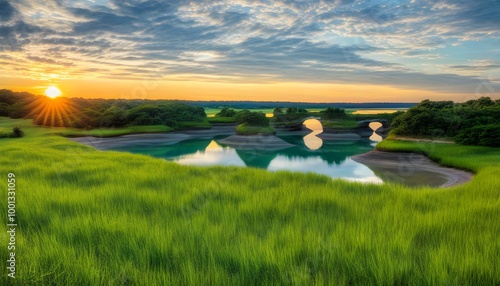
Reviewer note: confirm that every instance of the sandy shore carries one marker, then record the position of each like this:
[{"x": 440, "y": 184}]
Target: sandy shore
[
  {"x": 236, "y": 141},
  {"x": 404, "y": 165},
  {"x": 154, "y": 138}
]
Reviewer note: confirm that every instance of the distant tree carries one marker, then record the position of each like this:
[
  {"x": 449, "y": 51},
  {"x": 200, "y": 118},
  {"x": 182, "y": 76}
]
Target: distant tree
[
  {"x": 8, "y": 96},
  {"x": 485, "y": 135},
  {"x": 277, "y": 111},
  {"x": 474, "y": 122},
  {"x": 252, "y": 118},
  {"x": 4, "y": 109},
  {"x": 240, "y": 115},
  {"x": 333, "y": 113},
  {"x": 484, "y": 102},
  {"x": 436, "y": 104},
  {"x": 226, "y": 112},
  {"x": 18, "y": 110},
  {"x": 113, "y": 117}
]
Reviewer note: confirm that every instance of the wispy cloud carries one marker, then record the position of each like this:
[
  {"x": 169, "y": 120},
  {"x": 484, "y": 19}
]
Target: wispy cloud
[{"x": 337, "y": 41}]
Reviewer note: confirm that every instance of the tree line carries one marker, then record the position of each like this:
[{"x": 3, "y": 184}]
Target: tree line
[
  {"x": 92, "y": 113},
  {"x": 475, "y": 122}
]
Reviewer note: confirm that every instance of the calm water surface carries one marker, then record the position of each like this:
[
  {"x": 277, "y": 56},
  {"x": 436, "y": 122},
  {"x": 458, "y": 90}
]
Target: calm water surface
[
  {"x": 302, "y": 152},
  {"x": 309, "y": 153}
]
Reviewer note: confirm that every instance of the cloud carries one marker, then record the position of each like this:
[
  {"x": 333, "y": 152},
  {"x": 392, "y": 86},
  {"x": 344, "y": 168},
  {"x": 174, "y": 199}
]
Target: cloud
[
  {"x": 338, "y": 41},
  {"x": 6, "y": 11},
  {"x": 478, "y": 65}
]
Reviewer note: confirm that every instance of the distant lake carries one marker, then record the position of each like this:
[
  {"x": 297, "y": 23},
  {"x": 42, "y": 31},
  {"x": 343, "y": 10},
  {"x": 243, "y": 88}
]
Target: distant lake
[{"x": 376, "y": 111}]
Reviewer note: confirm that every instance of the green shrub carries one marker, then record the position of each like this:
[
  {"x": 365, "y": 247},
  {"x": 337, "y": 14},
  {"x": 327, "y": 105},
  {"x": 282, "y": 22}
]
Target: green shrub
[
  {"x": 226, "y": 112},
  {"x": 244, "y": 129},
  {"x": 17, "y": 132},
  {"x": 485, "y": 135},
  {"x": 251, "y": 118},
  {"x": 474, "y": 122},
  {"x": 333, "y": 113}
]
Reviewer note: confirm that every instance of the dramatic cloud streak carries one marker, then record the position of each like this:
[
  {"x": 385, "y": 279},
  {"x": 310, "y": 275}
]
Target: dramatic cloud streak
[{"x": 417, "y": 44}]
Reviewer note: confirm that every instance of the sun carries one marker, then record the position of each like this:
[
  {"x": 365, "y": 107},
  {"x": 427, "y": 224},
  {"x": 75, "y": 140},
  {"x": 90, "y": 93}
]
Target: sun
[{"x": 52, "y": 92}]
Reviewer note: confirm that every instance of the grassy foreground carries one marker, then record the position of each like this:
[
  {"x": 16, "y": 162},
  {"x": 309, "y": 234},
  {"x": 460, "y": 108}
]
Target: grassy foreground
[{"x": 88, "y": 217}]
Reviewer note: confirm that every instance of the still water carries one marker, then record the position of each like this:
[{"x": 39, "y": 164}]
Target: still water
[
  {"x": 332, "y": 159},
  {"x": 305, "y": 153}
]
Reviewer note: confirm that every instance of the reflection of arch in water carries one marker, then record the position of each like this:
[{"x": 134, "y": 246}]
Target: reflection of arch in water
[{"x": 312, "y": 141}]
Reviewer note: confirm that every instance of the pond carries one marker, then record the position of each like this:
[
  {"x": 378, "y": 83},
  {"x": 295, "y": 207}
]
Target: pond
[
  {"x": 331, "y": 159},
  {"x": 302, "y": 151}
]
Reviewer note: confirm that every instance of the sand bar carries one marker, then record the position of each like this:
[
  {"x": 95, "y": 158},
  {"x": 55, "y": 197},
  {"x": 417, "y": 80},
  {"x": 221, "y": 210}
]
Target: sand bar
[{"x": 405, "y": 163}]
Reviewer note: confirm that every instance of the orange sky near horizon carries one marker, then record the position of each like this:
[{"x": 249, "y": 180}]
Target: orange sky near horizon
[
  {"x": 206, "y": 91},
  {"x": 246, "y": 50}
]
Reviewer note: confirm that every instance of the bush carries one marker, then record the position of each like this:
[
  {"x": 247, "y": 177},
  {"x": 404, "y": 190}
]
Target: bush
[
  {"x": 485, "y": 135},
  {"x": 333, "y": 113},
  {"x": 226, "y": 112},
  {"x": 474, "y": 122},
  {"x": 244, "y": 129},
  {"x": 251, "y": 118},
  {"x": 17, "y": 132}
]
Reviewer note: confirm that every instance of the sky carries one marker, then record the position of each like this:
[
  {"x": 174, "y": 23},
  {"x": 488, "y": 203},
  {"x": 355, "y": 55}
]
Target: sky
[{"x": 281, "y": 50}]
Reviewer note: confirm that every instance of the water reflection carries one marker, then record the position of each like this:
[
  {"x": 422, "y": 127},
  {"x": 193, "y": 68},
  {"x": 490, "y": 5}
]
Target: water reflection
[
  {"x": 214, "y": 154},
  {"x": 308, "y": 154},
  {"x": 312, "y": 141},
  {"x": 375, "y": 126}
]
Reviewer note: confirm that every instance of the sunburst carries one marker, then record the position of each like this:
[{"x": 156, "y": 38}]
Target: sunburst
[{"x": 55, "y": 112}]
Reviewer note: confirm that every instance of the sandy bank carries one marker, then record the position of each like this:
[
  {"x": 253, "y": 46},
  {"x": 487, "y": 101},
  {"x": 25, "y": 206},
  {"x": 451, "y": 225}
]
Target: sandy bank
[
  {"x": 411, "y": 166},
  {"x": 153, "y": 138}
]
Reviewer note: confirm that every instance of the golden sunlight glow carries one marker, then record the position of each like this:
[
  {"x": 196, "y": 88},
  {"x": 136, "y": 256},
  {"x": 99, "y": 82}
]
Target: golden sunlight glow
[
  {"x": 52, "y": 92},
  {"x": 54, "y": 112}
]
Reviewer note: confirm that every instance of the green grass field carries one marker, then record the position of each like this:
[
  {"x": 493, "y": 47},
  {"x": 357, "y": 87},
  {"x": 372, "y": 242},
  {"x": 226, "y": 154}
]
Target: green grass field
[
  {"x": 7, "y": 123},
  {"x": 88, "y": 217}
]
